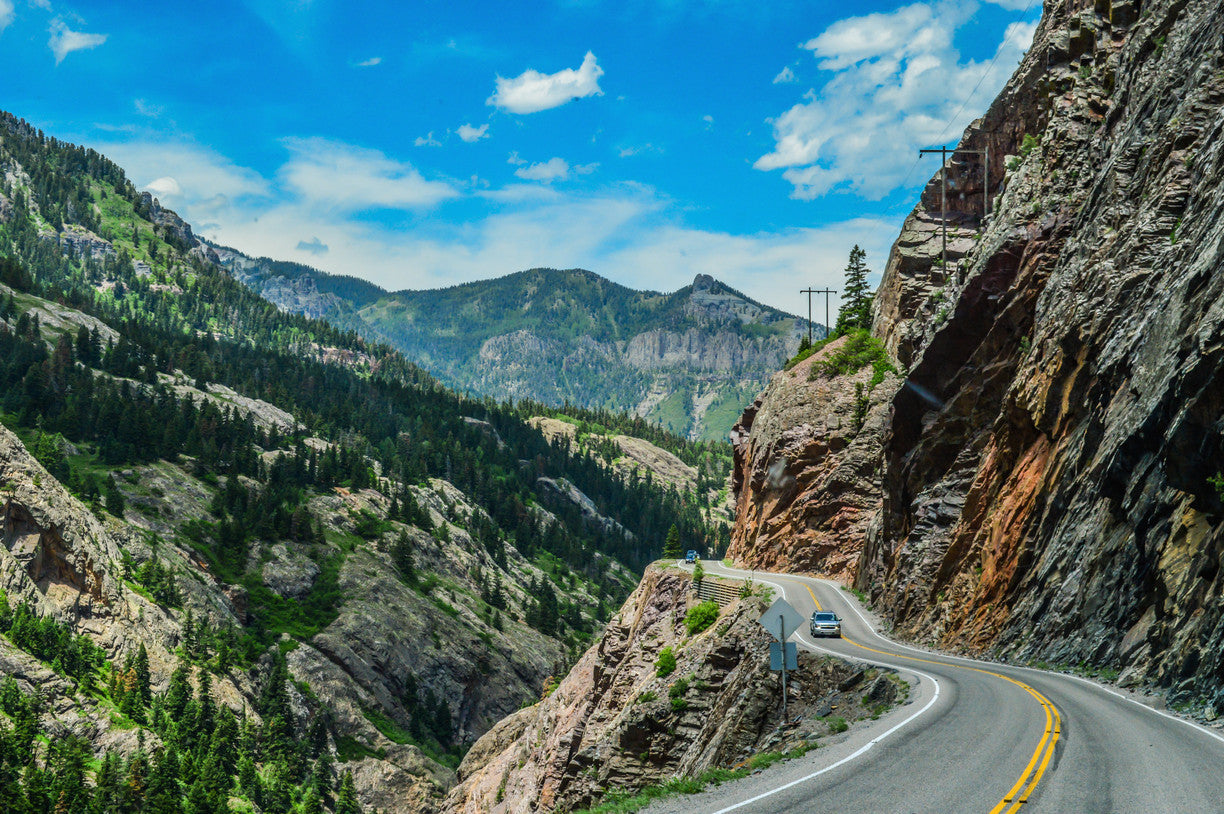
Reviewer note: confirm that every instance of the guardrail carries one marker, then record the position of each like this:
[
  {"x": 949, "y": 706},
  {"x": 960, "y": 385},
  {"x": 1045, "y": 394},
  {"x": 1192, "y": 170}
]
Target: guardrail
[{"x": 722, "y": 591}]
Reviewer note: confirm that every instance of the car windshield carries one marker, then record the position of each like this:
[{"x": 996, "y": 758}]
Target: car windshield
[{"x": 825, "y": 617}]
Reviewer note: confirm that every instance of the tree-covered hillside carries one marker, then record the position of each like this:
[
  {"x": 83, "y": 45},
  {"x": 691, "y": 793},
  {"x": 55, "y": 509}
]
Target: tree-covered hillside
[
  {"x": 688, "y": 361},
  {"x": 295, "y": 509}
]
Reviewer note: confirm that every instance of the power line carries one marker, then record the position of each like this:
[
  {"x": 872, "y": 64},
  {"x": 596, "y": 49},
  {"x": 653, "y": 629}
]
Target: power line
[{"x": 982, "y": 78}]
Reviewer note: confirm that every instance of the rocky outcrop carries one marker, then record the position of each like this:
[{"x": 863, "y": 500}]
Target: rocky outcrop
[
  {"x": 168, "y": 222},
  {"x": 694, "y": 349},
  {"x": 82, "y": 243},
  {"x": 614, "y": 724},
  {"x": 58, "y": 557},
  {"x": 561, "y": 494},
  {"x": 1048, "y": 469},
  {"x": 610, "y": 722},
  {"x": 807, "y": 469},
  {"x": 290, "y": 573},
  {"x": 1049, "y": 464}
]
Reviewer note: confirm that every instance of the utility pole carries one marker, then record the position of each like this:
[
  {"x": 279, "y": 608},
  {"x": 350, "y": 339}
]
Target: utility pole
[
  {"x": 810, "y": 292},
  {"x": 944, "y": 152}
]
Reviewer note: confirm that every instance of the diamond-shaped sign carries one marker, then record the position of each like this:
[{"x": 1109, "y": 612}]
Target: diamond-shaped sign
[{"x": 781, "y": 620}]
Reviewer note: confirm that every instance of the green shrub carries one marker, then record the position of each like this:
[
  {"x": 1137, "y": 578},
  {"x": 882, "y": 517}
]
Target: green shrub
[
  {"x": 665, "y": 665},
  {"x": 700, "y": 617},
  {"x": 860, "y": 350},
  {"x": 1217, "y": 481},
  {"x": 837, "y": 724}
]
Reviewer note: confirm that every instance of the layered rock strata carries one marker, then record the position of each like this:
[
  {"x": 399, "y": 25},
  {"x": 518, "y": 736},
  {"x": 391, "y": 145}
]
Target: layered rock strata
[
  {"x": 614, "y": 723},
  {"x": 807, "y": 469},
  {"x": 1048, "y": 468}
]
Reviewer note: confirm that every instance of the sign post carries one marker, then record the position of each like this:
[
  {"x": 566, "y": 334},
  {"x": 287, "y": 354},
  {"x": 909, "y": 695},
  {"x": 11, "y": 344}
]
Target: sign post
[{"x": 780, "y": 621}]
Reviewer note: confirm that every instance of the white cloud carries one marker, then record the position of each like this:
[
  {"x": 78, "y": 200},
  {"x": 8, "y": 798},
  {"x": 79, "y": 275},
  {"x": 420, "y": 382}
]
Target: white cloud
[
  {"x": 1015, "y": 5},
  {"x": 515, "y": 160},
  {"x": 64, "y": 40},
  {"x": 472, "y": 134},
  {"x": 427, "y": 140},
  {"x": 148, "y": 109},
  {"x": 369, "y": 63},
  {"x": 532, "y": 91},
  {"x": 709, "y": 121},
  {"x": 551, "y": 170},
  {"x": 888, "y": 95},
  {"x": 185, "y": 173},
  {"x": 7, "y": 14},
  {"x": 45, "y": 5},
  {"x": 165, "y": 188},
  {"x": 626, "y": 232},
  {"x": 342, "y": 177},
  {"x": 785, "y": 76},
  {"x": 638, "y": 149}
]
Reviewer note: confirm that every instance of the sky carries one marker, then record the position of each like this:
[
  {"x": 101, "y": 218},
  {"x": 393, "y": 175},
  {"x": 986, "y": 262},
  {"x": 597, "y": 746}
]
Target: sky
[{"x": 424, "y": 144}]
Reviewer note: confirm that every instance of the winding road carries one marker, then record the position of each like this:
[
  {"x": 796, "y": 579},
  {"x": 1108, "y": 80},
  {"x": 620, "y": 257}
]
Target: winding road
[{"x": 977, "y": 737}]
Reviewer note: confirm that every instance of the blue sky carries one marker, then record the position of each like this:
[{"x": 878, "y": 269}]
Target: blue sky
[{"x": 422, "y": 144}]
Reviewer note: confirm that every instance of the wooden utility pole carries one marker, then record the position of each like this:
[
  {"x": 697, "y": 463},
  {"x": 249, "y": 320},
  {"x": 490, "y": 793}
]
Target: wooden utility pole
[
  {"x": 944, "y": 152},
  {"x": 810, "y": 292}
]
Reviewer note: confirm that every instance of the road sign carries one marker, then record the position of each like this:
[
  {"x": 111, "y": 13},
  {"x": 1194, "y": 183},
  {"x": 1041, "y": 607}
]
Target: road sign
[
  {"x": 781, "y": 620},
  {"x": 775, "y": 655}
]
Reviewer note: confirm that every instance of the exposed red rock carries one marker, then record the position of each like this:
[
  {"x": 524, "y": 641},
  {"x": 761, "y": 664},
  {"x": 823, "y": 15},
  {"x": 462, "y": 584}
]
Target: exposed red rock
[{"x": 807, "y": 469}]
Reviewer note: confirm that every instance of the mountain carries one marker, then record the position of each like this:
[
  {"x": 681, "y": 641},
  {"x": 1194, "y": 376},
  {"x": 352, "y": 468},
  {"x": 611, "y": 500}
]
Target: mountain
[
  {"x": 1043, "y": 482},
  {"x": 688, "y": 361},
  {"x": 249, "y": 557}
]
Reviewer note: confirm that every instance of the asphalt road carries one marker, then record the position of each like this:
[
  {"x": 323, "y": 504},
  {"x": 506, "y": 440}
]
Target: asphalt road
[{"x": 977, "y": 737}]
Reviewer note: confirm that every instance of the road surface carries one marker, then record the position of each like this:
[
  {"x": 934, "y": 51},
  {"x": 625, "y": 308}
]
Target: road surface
[{"x": 977, "y": 737}]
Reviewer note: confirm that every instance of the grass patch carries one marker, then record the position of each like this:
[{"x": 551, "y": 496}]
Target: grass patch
[
  {"x": 860, "y": 350},
  {"x": 349, "y": 748},
  {"x": 621, "y": 802},
  {"x": 395, "y": 733},
  {"x": 857, "y": 594}
]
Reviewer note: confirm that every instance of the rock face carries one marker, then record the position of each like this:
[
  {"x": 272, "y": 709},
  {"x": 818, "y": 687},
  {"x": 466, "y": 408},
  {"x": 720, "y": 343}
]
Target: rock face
[
  {"x": 807, "y": 469},
  {"x": 560, "y": 493},
  {"x": 1049, "y": 462},
  {"x": 614, "y": 723},
  {"x": 81, "y": 242},
  {"x": 689, "y": 360},
  {"x": 610, "y": 722},
  {"x": 58, "y": 557}
]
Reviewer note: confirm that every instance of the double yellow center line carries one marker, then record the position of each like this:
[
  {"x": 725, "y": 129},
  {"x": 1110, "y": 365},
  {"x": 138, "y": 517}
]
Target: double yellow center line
[{"x": 1018, "y": 795}]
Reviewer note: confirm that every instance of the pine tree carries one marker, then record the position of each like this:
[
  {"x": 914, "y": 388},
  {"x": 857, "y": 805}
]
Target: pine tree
[
  {"x": 248, "y": 780},
  {"x": 346, "y": 798},
  {"x": 671, "y": 548},
  {"x": 855, "y": 312},
  {"x": 143, "y": 681}
]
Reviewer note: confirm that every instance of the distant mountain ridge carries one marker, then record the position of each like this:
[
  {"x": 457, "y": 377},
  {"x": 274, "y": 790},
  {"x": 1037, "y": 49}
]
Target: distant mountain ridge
[{"x": 689, "y": 360}]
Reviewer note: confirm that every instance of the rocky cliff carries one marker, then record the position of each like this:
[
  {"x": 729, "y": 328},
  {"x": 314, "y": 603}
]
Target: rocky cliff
[
  {"x": 807, "y": 468},
  {"x": 615, "y": 723},
  {"x": 1049, "y": 465}
]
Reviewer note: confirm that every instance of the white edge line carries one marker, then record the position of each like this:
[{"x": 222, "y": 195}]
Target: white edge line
[
  {"x": 854, "y": 607},
  {"x": 861, "y": 750},
  {"x": 1039, "y": 671}
]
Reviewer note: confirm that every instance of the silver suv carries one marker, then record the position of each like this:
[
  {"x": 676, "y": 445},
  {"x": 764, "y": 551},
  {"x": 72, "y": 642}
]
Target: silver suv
[{"x": 825, "y": 623}]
